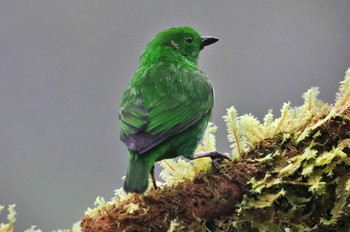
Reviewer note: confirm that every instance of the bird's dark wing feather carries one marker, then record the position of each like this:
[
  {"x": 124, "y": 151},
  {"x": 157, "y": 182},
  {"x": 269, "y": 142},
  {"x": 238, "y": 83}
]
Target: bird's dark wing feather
[{"x": 153, "y": 110}]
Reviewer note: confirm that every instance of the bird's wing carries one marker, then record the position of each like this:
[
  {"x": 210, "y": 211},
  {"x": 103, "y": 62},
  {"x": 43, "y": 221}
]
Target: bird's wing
[{"x": 158, "y": 108}]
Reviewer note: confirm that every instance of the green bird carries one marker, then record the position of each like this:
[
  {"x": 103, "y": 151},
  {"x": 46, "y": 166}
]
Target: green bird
[{"x": 165, "y": 110}]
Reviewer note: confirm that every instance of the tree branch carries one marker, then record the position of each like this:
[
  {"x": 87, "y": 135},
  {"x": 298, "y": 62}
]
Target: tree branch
[{"x": 209, "y": 196}]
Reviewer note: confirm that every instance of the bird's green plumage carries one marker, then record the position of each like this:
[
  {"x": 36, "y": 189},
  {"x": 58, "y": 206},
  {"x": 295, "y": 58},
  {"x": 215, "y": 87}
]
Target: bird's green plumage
[{"x": 166, "y": 107}]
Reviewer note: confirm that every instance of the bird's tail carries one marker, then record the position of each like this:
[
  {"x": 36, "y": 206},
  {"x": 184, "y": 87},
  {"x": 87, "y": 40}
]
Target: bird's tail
[{"x": 136, "y": 179}]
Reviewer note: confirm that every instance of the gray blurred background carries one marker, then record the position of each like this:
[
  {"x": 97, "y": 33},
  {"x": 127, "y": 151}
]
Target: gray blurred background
[{"x": 64, "y": 65}]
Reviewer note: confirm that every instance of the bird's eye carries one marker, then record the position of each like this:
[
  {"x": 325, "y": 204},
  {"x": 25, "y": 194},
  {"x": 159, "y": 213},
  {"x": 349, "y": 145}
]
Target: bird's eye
[{"x": 189, "y": 39}]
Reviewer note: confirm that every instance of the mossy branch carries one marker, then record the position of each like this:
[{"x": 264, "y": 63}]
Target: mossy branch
[
  {"x": 294, "y": 174},
  {"x": 289, "y": 172},
  {"x": 207, "y": 197}
]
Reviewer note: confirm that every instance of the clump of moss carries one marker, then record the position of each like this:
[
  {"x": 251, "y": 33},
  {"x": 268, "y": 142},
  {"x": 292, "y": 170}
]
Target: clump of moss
[
  {"x": 11, "y": 217},
  {"x": 306, "y": 185}
]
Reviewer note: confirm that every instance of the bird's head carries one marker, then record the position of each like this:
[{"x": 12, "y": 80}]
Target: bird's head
[{"x": 183, "y": 41}]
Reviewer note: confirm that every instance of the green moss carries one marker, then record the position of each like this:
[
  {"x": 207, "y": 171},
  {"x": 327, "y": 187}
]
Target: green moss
[{"x": 306, "y": 185}]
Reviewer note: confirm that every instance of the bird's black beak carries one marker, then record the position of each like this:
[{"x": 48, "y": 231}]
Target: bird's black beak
[{"x": 207, "y": 40}]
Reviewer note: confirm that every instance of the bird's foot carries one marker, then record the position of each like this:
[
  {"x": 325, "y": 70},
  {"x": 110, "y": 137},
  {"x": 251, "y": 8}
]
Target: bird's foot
[
  {"x": 153, "y": 178},
  {"x": 215, "y": 156}
]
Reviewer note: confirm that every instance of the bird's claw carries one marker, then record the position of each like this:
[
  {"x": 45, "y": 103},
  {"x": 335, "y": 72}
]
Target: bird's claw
[{"x": 216, "y": 157}]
